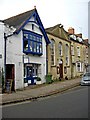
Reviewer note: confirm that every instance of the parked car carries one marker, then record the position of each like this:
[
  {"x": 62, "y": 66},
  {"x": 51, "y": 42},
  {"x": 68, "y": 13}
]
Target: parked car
[{"x": 85, "y": 79}]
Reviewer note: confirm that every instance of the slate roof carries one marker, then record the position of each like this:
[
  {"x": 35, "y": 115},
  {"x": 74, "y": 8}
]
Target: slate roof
[
  {"x": 58, "y": 31},
  {"x": 18, "y": 20}
]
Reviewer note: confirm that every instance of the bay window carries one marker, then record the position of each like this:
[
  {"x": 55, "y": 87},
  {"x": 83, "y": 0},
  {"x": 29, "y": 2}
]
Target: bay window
[{"x": 32, "y": 42}]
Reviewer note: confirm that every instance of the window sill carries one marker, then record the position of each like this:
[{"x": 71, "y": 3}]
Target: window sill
[
  {"x": 80, "y": 71},
  {"x": 53, "y": 65},
  {"x": 33, "y": 53}
]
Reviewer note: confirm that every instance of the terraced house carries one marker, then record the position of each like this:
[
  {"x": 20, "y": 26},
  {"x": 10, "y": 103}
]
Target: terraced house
[
  {"x": 67, "y": 53},
  {"x": 26, "y": 42},
  {"x": 79, "y": 53},
  {"x": 59, "y": 52}
]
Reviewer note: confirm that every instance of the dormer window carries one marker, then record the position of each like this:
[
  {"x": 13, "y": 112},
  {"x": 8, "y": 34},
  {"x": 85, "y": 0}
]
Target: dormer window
[{"x": 32, "y": 43}]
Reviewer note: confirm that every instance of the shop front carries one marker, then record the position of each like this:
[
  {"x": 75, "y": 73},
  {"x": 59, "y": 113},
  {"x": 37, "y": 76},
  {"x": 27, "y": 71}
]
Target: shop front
[{"x": 31, "y": 71}]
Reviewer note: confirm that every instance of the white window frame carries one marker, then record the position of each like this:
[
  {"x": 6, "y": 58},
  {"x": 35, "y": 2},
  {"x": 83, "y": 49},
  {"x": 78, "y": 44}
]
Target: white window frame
[{"x": 79, "y": 69}]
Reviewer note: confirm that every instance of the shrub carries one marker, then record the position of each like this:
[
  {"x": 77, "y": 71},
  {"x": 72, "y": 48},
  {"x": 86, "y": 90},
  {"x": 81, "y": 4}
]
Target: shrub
[
  {"x": 48, "y": 78},
  {"x": 38, "y": 79}
]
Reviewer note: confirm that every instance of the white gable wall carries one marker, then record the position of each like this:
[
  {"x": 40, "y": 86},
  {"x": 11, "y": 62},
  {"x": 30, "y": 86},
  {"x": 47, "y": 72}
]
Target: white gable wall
[
  {"x": 1, "y": 45},
  {"x": 15, "y": 56}
]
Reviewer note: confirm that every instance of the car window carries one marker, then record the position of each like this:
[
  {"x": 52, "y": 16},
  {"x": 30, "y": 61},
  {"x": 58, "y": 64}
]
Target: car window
[{"x": 87, "y": 74}]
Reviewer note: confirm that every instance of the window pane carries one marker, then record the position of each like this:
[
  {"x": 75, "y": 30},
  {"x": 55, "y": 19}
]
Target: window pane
[
  {"x": 25, "y": 45},
  {"x": 25, "y": 35},
  {"x": 40, "y": 48},
  {"x": 31, "y": 37},
  {"x": 40, "y": 39},
  {"x": 35, "y": 47},
  {"x": 31, "y": 46}
]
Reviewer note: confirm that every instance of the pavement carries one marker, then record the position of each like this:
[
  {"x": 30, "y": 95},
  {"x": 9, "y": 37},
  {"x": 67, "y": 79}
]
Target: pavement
[{"x": 38, "y": 91}]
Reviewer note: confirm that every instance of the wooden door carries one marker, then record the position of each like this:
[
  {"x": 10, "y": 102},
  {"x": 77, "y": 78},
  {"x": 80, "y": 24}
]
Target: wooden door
[
  {"x": 61, "y": 70},
  {"x": 10, "y": 75}
]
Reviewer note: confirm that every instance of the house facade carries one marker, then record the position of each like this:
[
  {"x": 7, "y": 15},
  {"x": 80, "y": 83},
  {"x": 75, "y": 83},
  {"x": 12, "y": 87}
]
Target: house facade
[
  {"x": 79, "y": 53},
  {"x": 59, "y": 53},
  {"x": 1, "y": 49},
  {"x": 25, "y": 49}
]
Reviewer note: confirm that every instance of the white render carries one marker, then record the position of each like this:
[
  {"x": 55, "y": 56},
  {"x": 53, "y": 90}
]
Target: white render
[
  {"x": 16, "y": 56},
  {"x": 1, "y": 45}
]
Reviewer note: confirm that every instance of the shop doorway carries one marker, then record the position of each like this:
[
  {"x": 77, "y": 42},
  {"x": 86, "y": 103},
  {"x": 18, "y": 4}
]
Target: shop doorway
[
  {"x": 10, "y": 75},
  {"x": 31, "y": 73}
]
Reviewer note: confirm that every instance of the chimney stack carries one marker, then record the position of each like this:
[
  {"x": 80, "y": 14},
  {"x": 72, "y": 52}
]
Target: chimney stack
[
  {"x": 86, "y": 40},
  {"x": 71, "y": 30}
]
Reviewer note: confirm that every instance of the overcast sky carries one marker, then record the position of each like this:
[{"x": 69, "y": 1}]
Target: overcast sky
[{"x": 70, "y": 13}]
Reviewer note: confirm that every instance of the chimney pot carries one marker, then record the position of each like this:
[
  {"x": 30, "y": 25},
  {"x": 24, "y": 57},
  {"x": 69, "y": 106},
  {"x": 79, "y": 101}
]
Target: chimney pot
[{"x": 71, "y": 30}]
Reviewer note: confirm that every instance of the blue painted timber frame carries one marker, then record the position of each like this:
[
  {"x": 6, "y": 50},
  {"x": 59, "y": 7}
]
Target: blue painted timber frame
[{"x": 38, "y": 22}]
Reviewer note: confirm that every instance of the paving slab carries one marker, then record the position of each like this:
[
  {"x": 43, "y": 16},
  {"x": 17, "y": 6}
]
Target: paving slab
[{"x": 37, "y": 92}]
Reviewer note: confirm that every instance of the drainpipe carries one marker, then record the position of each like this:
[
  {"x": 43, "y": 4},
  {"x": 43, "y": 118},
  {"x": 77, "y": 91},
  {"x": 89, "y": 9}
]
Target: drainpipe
[
  {"x": 46, "y": 59},
  {"x": 5, "y": 39},
  {"x": 5, "y": 45}
]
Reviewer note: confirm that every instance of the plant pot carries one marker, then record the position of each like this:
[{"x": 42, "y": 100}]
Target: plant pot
[
  {"x": 38, "y": 82},
  {"x": 25, "y": 84}
]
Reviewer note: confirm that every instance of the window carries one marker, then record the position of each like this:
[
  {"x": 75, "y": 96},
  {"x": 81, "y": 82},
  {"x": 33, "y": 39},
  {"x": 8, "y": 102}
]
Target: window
[
  {"x": 67, "y": 54},
  {"x": 60, "y": 48},
  {"x": 78, "y": 51},
  {"x": 32, "y": 42},
  {"x": 79, "y": 66},
  {"x": 25, "y": 45},
  {"x": 65, "y": 70},
  {"x": 32, "y": 26},
  {"x": 52, "y": 52},
  {"x": 86, "y": 50},
  {"x": 72, "y": 50}
]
